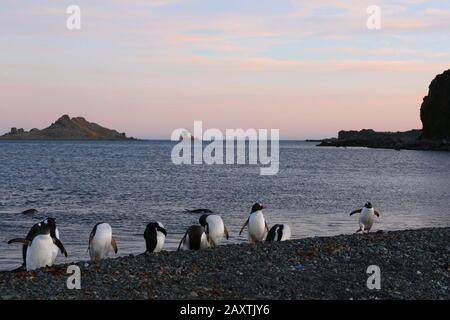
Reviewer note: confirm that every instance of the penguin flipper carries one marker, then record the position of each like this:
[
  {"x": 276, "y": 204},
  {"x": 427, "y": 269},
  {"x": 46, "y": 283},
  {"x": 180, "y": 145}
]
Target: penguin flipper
[
  {"x": 377, "y": 213},
  {"x": 60, "y": 246},
  {"x": 182, "y": 239},
  {"x": 19, "y": 240},
  {"x": 114, "y": 245},
  {"x": 355, "y": 211},
  {"x": 162, "y": 230},
  {"x": 226, "y": 232},
  {"x": 243, "y": 227}
]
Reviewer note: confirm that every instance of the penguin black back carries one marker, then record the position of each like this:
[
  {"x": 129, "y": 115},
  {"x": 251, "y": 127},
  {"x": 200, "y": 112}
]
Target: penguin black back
[
  {"x": 276, "y": 232},
  {"x": 195, "y": 237},
  {"x": 151, "y": 236}
]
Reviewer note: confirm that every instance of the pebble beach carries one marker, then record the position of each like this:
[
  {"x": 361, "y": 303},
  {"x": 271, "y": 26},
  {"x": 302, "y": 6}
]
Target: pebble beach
[{"x": 414, "y": 264}]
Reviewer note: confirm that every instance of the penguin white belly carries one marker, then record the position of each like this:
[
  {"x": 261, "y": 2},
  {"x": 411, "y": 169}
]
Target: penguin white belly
[
  {"x": 286, "y": 233},
  {"x": 204, "y": 241},
  {"x": 216, "y": 229},
  {"x": 366, "y": 219},
  {"x": 101, "y": 243},
  {"x": 40, "y": 254},
  {"x": 186, "y": 242},
  {"x": 55, "y": 251},
  {"x": 160, "y": 239},
  {"x": 256, "y": 227}
]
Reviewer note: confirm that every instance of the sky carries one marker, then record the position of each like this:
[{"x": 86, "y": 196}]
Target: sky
[{"x": 148, "y": 67}]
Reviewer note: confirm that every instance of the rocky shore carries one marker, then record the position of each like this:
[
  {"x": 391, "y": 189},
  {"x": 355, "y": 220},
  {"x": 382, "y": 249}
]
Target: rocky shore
[
  {"x": 408, "y": 140},
  {"x": 414, "y": 264}
]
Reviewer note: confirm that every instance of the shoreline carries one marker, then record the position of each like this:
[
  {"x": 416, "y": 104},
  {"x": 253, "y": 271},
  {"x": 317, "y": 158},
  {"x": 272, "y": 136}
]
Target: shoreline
[
  {"x": 400, "y": 140},
  {"x": 419, "y": 146},
  {"x": 414, "y": 264}
]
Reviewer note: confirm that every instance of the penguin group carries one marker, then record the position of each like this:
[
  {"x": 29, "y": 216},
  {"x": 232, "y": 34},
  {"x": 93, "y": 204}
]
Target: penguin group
[{"x": 42, "y": 244}]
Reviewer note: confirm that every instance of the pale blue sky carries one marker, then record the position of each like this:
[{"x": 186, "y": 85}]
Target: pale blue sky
[{"x": 147, "y": 67}]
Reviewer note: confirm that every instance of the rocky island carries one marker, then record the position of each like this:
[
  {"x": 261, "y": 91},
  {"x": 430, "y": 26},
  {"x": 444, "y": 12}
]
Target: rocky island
[
  {"x": 435, "y": 133},
  {"x": 66, "y": 128}
]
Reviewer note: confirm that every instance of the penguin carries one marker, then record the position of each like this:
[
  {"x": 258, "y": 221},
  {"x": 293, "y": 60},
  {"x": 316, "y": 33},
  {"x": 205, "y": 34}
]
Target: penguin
[
  {"x": 41, "y": 245},
  {"x": 198, "y": 211},
  {"x": 155, "y": 235},
  {"x": 195, "y": 238},
  {"x": 366, "y": 217},
  {"x": 214, "y": 228},
  {"x": 257, "y": 225},
  {"x": 101, "y": 242},
  {"x": 279, "y": 232}
]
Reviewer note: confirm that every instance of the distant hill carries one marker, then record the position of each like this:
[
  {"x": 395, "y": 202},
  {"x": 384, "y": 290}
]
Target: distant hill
[{"x": 66, "y": 128}]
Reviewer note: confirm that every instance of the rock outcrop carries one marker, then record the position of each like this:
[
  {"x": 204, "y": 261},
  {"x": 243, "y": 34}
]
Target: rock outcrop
[
  {"x": 373, "y": 139},
  {"x": 435, "y": 135},
  {"x": 435, "y": 110},
  {"x": 66, "y": 128}
]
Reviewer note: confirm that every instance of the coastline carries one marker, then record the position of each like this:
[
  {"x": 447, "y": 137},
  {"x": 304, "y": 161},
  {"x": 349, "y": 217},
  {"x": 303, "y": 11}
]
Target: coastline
[
  {"x": 414, "y": 265},
  {"x": 418, "y": 146},
  {"x": 368, "y": 138}
]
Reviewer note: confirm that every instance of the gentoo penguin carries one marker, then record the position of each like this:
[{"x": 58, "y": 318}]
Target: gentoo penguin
[
  {"x": 154, "y": 235},
  {"x": 41, "y": 245},
  {"x": 54, "y": 233},
  {"x": 195, "y": 238},
  {"x": 257, "y": 225},
  {"x": 214, "y": 228},
  {"x": 198, "y": 211},
  {"x": 101, "y": 242},
  {"x": 279, "y": 232},
  {"x": 366, "y": 217}
]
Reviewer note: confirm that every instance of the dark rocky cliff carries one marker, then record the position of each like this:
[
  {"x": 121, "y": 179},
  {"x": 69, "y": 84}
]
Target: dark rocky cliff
[{"x": 435, "y": 110}]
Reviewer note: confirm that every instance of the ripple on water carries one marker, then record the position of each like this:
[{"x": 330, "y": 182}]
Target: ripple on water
[{"x": 129, "y": 184}]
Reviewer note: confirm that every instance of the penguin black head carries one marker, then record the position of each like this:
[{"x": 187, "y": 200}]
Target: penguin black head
[
  {"x": 257, "y": 207},
  {"x": 368, "y": 205},
  {"x": 202, "y": 220},
  {"x": 51, "y": 222},
  {"x": 43, "y": 228}
]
